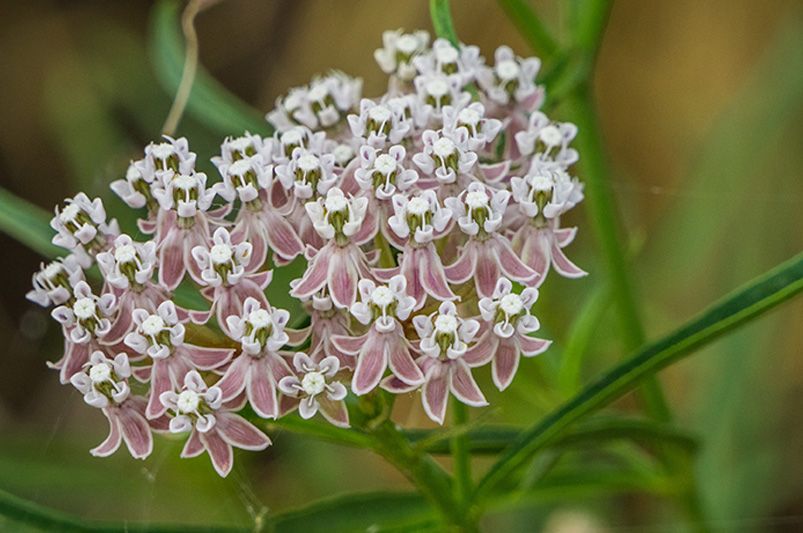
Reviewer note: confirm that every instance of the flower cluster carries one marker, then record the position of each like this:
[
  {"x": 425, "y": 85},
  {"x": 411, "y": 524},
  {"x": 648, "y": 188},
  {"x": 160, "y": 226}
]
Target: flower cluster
[{"x": 423, "y": 222}]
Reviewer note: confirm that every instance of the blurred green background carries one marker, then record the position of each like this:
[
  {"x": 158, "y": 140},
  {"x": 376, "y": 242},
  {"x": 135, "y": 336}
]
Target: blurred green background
[{"x": 701, "y": 105}]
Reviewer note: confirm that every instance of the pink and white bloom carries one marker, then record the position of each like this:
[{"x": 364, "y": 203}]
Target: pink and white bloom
[
  {"x": 480, "y": 129},
  {"x": 340, "y": 263},
  {"x": 444, "y": 342},
  {"x": 384, "y": 345},
  {"x": 307, "y": 174},
  {"x": 160, "y": 336},
  {"x": 228, "y": 284},
  {"x": 135, "y": 188},
  {"x": 319, "y": 105},
  {"x": 444, "y": 58},
  {"x": 487, "y": 254},
  {"x": 54, "y": 283},
  {"x": 86, "y": 320},
  {"x": 435, "y": 91},
  {"x": 104, "y": 384},
  {"x": 416, "y": 222},
  {"x": 446, "y": 157},
  {"x": 81, "y": 228},
  {"x": 548, "y": 141},
  {"x": 382, "y": 173},
  {"x": 260, "y": 330},
  {"x": 398, "y": 50},
  {"x": 326, "y": 321},
  {"x": 512, "y": 80},
  {"x": 508, "y": 323},
  {"x": 379, "y": 124},
  {"x": 318, "y": 391},
  {"x": 199, "y": 409}
]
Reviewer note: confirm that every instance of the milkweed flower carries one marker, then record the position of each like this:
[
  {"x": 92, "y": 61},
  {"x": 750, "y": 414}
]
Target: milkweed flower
[
  {"x": 213, "y": 428},
  {"x": 54, "y": 283},
  {"x": 81, "y": 227},
  {"x": 398, "y": 50},
  {"x": 317, "y": 390}
]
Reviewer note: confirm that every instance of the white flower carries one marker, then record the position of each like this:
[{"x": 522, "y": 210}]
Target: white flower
[
  {"x": 445, "y": 156},
  {"x": 383, "y": 172},
  {"x": 511, "y": 78},
  {"x": 447, "y": 335},
  {"x": 135, "y": 188},
  {"x": 420, "y": 216},
  {"x": 436, "y": 90},
  {"x": 320, "y": 105},
  {"x": 548, "y": 140},
  {"x": 547, "y": 191},
  {"x": 283, "y": 144},
  {"x": 510, "y": 312},
  {"x": 479, "y": 208},
  {"x": 171, "y": 156},
  {"x": 383, "y": 304},
  {"x": 445, "y": 59},
  {"x": 259, "y": 329},
  {"x": 307, "y": 174},
  {"x": 104, "y": 380},
  {"x": 223, "y": 263},
  {"x": 336, "y": 214},
  {"x": 54, "y": 283},
  {"x": 86, "y": 315},
  {"x": 380, "y": 123},
  {"x": 186, "y": 194},
  {"x": 398, "y": 50},
  {"x": 156, "y": 334},
  {"x": 82, "y": 228},
  {"x": 194, "y": 406},
  {"x": 128, "y": 262},
  {"x": 480, "y": 130}
]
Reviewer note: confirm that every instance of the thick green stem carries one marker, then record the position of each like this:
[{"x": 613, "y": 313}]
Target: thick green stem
[{"x": 459, "y": 447}]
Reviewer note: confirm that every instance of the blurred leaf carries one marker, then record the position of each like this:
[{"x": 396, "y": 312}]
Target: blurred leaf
[
  {"x": 373, "y": 511},
  {"x": 750, "y": 301},
  {"x": 27, "y": 223},
  {"x": 441, "y": 16},
  {"x": 318, "y": 429},
  {"x": 209, "y": 102},
  {"x": 522, "y": 14}
]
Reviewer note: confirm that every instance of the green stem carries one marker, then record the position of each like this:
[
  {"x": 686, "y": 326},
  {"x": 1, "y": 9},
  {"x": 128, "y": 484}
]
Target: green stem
[
  {"x": 442, "y": 20},
  {"x": 459, "y": 446},
  {"x": 530, "y": 26}
]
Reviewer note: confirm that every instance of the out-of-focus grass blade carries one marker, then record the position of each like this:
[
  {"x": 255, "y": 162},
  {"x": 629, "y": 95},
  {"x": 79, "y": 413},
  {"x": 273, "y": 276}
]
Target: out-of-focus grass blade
[
  {"x": 442, "y": 21},
  {"x": 355, "y": 512},
  {"x": 27, "y": 223},
  {"x": 209, "y": 101},
  {"x": 746, "y": 303}
]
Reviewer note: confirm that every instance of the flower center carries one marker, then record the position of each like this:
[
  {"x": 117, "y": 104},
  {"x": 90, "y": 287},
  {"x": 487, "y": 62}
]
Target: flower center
[
  {"x": 188, "y": 401},
  {"x": 343, "y": 154},
  {"x": 477, "y": 199},
  {"x": 417, "y": 206},
  {"x": 550, "y": 135},
  {"x": 446, "y": 324},
  {"x": 153, "y": 325},
  {"x": 52, "y": 270},
  {"x": 162, "y": 150},
  {"x": 240, "y": 167},
  {"x": 69, "y": 213},
  {"x": 437, "y": 88},
  {"x": 291, "y": 137},
  {"x": 308, "y": 162},
  {"x": 125, "y": 253},
  {"x": 335, "y": 203},
  {"x": 84, "y": 308},
  {"x": 100, "y": 373},
  {"x": 407, "y": 44},
  {"x": 507, "y": 70},
  {"x": 385, "y": 164},
  {"x": 313, "y": 383},
  {"x": 382, "y": 297},
  {"x": 468, "y": 116},
  {"x": 260, "y": 319},
  {"x": 511, "y": 304},
  {"x": 443, "y": 147},
  {"x": 446, "y": 54},
  {"x": 379, "y": 113},
  {"x": 220, "y": 254}
]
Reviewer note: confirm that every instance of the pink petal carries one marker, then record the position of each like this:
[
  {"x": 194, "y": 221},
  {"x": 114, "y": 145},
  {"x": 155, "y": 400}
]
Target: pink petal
[
  {"x": 399, "y": 358},
  {"x": 282, "y": 237},
  {"x": 487, "y": 272},
  {"x": 112, "y": 442},
  {"x": 296, "y": 337},
  {"x": 505, "y": 363},
  {"x": 531, "y": 346},
  {"x": 316, "y": 274},
  {"x": 171, "y": 260},
  {"x": 384, "y": 274},
  {"x": 564, "y": 236},
  {"x": 511, "y": 265},
  {"x": 193, "y": 447},
  {"x": 496, "y": 171},
  {"x": 207, "y": 358},
  {"x": 261, "y": 390},
  {"x": 433, "y": 278},
  {"x": 410, "y": 266},
  {"x": 75, "y": 356},
  {"x": 563, "y": 265},
  {"x": 370, "y": 226},
  {"x": 396, "y": 386},
  {"x": 463, "y": 385},
  {"x": 348, "y": 345},
  {"x": 342, "y": 279},
  {"x": 461, "y": 270},
  {"x": 136, "y": 432},
  {"x": 233, "y": 381},
  {"x": 219, "y": 451},
  {"x": 434, "y": 395},
  {"x": 160, "y": 382},
  {"x": 240, "y": 433},
  {"x": 334, "y": 411},
  {"x": 199, "y": 317},
  {"x": 371, "y": 364},
  {"x": 483, "y": 351},
  {"x": 121, "y": 325}
]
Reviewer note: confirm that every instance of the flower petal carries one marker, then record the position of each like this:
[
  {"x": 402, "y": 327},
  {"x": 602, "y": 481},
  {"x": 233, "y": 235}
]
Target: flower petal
[
  {"x": 483, "y": 351},
  {"x": 136, "y": 433},
  {"x": 334, "y": 411},
  {"x": 193, "y": 447},
  {"x": 433, "y": 277},
  {"x": 563, "y": 265},
  {"x": 205, "y": 358},
  {"x": 487, "y": 273},
  {"x": 531, "y": 346},
  {"x": 461, "y": 270},
  {"x": 400, "y": 361},
  {"x": 113, "y": 440},
  {"x": 342, "y": 279},
  {"x": 435, "y": 394},
  {"x": 160, "y": 382},
  {"x": 219, "y": 451},
  {"x": 463, "y": 386},
  {"x": 505, "y": 364},
  {"x": 512, "y": 266},
  {"x": 261, "y": 390},
  {"x": 233, "y": 381},
  {"x": 240, "y": 433},
  {"x": 371, "y": 364},
  {"x": 348, "y": 345},
  {"x": 315, "y": 276},
  {"x": 171, "y": 260}
]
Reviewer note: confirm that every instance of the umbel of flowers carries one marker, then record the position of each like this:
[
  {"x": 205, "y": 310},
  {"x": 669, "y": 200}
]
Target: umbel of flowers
[{"x": 424, "y": 219}]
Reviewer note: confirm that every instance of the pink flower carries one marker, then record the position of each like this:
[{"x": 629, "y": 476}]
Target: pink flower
[
  {"x": 81, "y": 228},
  {"x": 317, "y": 391},
  {"x": 480, "y": 130},
  {"x": 444, "y": 342},
  {"x": 382, "y": 172},
  {"x": 199, "y": 409},
  {"x": 260, "y": 330},
  {"x": 320, "y": 105},
  {"x": 487, "y": 254},
  {"x": 104, "y": 384},
  {"x": 508, "y": 325},
  {"x": 54, "y": 283},
  {"x": 444, "y": 58},
  {"x": 160, "y": 336},
  {"x": 381, "y": 307},
  {"x": 326, "y": 321},
  {"x": 228, "y": 284}
]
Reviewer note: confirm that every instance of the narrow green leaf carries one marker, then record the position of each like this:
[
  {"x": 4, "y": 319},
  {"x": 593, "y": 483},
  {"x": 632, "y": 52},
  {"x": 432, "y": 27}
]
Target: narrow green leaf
[
  {"x": 441, "y": 16},
  {"x": 210, "y": 102},
  {"x": 27, "y": 223},
  {"x": 530, "y": 26},
  {"x": 752, "y": 300},
  {"x": 373, "y": 511},
  {"x": 317, "y": 429}
]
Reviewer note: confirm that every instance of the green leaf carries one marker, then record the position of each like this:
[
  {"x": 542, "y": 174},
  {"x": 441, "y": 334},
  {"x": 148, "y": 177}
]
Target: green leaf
[
  {"x": 210, "y": 102},
  {"x": 530, "y": 26},
  {"x": 750, "y": 301},
  {"x": 27, "y": 223},
  {"x": 355, "y": 512},
  {"x": 442, "y": 20},
  {"x": 318, "y": 429}
]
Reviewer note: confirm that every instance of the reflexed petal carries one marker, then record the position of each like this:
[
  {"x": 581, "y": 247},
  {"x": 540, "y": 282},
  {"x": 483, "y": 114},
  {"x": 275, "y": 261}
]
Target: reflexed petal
[
  {"x": 315, "y": 276},
  {"x": 193, "y": 447},
  {"x": 171, "y": 260},
  {"x": 342, "y": 279},
  {"x": 75, "y": 356},
  {"x": 511, "y": 265},
  {"x": 531, "y": 346},
  {"x": 487, "y": 272},
  {"x": 208, "y": 358},
  {"x": 564, "y": 236},
  {"x": 461, "y": 270},
  {"x": 136, "y": 432},
  {"x": 112, "y": 442},
  {"x": 282, "y": 237},
  {"x": 334, "y": 411},
  {"x": 261, "y": 390},
  {"x": 433, "y": 277},
  {"x": 505, "y": 363},
  {"x": 463, "y": 385},
  {"x": 483, "y": 351},
  {"x": 348, "y": 345},
  {"x": 396, "y": 386},
  {"x": 240, "y": 433},
  {"x": 400, "y": 361},
  {"x": 160, "y": 382},
  {"x": 434, "y": 395},
  {"x": 563, "y": 265},
  {"x": 219, "y": 451},
  {"x": 233, "y": 381},
  {"x": 120, "y": 326},
  {"x": 371, "y": 364}
]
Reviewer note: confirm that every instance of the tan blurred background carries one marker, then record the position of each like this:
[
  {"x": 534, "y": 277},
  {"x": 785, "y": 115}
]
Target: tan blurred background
[{"x": 701, "y": 109}]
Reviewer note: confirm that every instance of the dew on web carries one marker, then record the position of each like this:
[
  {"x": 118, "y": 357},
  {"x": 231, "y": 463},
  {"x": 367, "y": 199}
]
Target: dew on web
[{"x": 256, "y": 509}]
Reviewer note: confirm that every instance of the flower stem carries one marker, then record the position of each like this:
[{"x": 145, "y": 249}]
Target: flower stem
[{"x": 460, "y": 454}]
